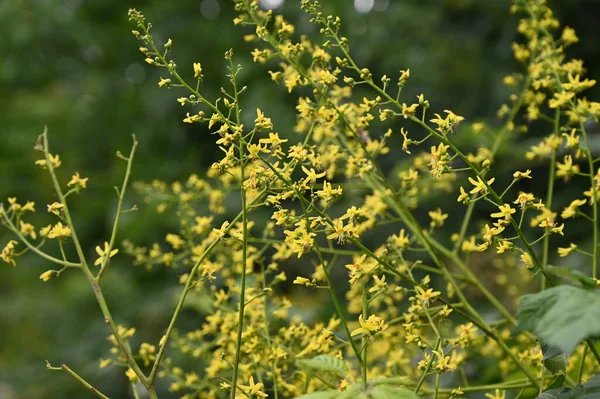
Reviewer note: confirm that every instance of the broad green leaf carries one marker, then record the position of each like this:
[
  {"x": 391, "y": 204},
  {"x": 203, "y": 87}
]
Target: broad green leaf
[
  {"x": 320, "y": 395},
  {"x": 404, "y": 381},
  {"x": 351, "y": 392},
  {"x": 573, "y": 276},
  {"x": 554, "y": 394},
  {"x": 589, "y": 390},
  {"x": 558, "y": 382},
  {"x": 324, "y": 363},
  {"x": 561, "y": 316},
  {"x": 391, "y": 392},
  {"x": 554, "y": 359}
]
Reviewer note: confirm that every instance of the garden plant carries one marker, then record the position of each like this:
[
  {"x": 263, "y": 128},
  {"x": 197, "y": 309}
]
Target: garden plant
[{"x": 416, "y": 317}]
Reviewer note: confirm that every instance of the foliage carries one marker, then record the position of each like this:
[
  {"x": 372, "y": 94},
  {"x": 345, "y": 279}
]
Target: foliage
[
  {"x": 395, "y": 330},
  {"x": 561, "y": 316}
]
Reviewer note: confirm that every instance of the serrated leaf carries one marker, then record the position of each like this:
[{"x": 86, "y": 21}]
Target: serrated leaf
[
  {"x": 561, "y": 316},
  {"x": 324, "y": 363},
  {"x": 320, "y": 395},
  {"x": 573, "y": 276},
  {"x": 391, "y": 392}
]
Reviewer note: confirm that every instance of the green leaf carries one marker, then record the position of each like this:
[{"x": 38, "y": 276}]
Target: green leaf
[
  {"x": 320, "y": 395},
  {"x": 558, "y": 382},
  {"x": 351, "y": 392},
  {"x": 572, "y": 275},
  {"x": 589, "y": 390},
  {"x": 561, "y": 316},
  {"x": 554, "y": 359},
  {"x": 324, "y": 363},
  {"x": 391, "y": 392},
  {"x": 404, "y": 381}
]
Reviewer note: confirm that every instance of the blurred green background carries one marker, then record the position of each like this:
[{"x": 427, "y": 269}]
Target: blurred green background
[{"x": 73, "y": 65}]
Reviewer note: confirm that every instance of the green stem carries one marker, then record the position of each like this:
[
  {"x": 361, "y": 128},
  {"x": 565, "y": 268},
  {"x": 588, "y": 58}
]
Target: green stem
[
  {"x": 549, "y": 196},
  {"x": 79, "y": 379},
  {"x": 115, "y": 228},
  {"x": 365, "y": 315},
  {"x": 86, "y": 270}
]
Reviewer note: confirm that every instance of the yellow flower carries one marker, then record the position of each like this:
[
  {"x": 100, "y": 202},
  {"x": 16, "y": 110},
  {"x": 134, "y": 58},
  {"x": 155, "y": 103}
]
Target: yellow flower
[
  {"x": 29, "y": 206},
  {"x": 558, "y": 229},
  {"x": 560, "y": 99},
  {"x": 425, "y": 296},
  {"x": 522, "y": 175},
  {"x": 566, "y": 169},
  {"x": 526, "y": 258},
  {"x": 301, "y": 281},
  {"x": 571, "y": 210},
  {"x": 47, "y": 275},
  {"x": 497, "y": 395},
  {"x": 480, "y": 185},
  {"x": 262, "y": 122},
  {"x": 27, "y": 229},
  {"x": 505, "y": 212},
  {"x": 254, "y": 389},
  {"x": 311, "y": 175},
  {"x": 568, "y": 36},
  {"x": 54, "y": 161},
  {"x": 8, "y": 253},
  {"x": 371, "y": 326},
  {"x": 380, "y": 284},
  {"x": 409, "y": 110},
  {"x": 104, "y": 254},
  {"x": 437, "y": 217},
  {"x": 131, "y": 375},
  {"x": 164, "y": 82},
  {"x": 463, "y": 197},
  {"x": 197, "y": 70},
  {"x": 77, "y": 181},
  {"x": 562, "y": 252},
  {"x": 59, "y": 231},
  {"x": 341, "y": 232},
  {"x": 55, "y": 208}
]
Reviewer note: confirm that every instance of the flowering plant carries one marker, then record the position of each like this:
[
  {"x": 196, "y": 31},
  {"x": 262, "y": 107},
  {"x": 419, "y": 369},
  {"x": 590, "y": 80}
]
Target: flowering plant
[{"x": 405, "y": 323}]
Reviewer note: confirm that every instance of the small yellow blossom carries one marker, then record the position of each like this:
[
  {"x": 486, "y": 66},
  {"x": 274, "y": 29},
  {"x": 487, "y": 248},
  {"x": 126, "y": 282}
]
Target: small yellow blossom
[
  {"x": 59, "y": 231},
  {"x": 480, "y": 185},
  {"x": 522, "y": 175},
  {"x": 568, "y": 35},
  {"x": 197, "y": 70},
  {"x": 463, "y": 197},
  {"x": 47, "y": 275},
  {"x": 104, "y": 254},
  {"x": 164, "y": 82},
  {"x": 562, "y": 252},
  {"x": 496, "y": 395},
  {"x": 526, "y": 258},
  {"x": 77, "y": 181},
  {"x": 505, "y": 212},
  {"x": 55, "y": 208},
  {"x": 55, "y": 161},
  {"x": 131, "y": 375},
  {"x": 424, "y": 295},
  {"x": 302, "y": 281},
  {"x": 8, "y": 253},
  {"x": 254, "y": 389},
  {"x": 371, "y": 326}
]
